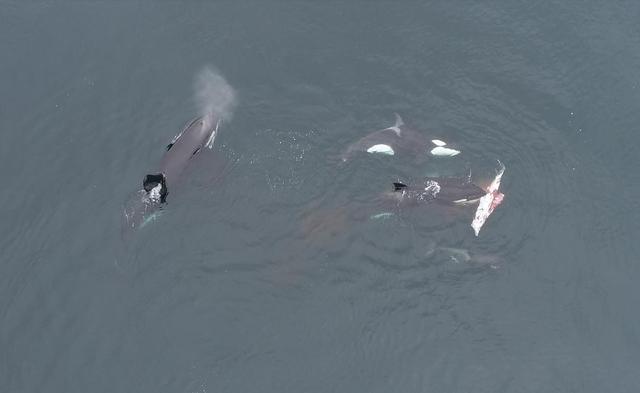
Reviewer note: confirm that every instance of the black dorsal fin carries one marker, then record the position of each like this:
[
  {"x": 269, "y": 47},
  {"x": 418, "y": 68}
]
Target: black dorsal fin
[{"x": 399, "y": 186}]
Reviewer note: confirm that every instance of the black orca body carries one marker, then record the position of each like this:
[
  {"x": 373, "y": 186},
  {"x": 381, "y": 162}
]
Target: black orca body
[
  {"x": 198, "y": 133},
  {"x": 402, "y": 140},
  {"x": 147, "y": 203},
  {"x": 448, "y": 190}
]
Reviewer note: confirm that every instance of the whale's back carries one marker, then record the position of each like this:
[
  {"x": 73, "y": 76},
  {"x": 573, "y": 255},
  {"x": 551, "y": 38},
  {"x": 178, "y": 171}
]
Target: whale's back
[{"x": 188, "y": 143}]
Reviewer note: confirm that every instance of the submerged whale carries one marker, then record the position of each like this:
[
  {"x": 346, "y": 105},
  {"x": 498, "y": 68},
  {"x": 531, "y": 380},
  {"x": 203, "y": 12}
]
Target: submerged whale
[
  {"x": 464, "y": 256},
  {"x": 146, "y": 204},
  {"x": 400, "y": 139}
]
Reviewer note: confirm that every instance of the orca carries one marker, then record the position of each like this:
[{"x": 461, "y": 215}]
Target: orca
[
  {"x": 454, "y": 191},
  {"x": 146, "y": 205},
  {"x": 449, "y": 190},
  {"x": 400, "y": 139}
]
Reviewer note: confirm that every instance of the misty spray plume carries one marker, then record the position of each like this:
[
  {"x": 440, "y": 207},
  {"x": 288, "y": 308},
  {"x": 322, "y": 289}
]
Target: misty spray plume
[{"x": 215, "y": 98}]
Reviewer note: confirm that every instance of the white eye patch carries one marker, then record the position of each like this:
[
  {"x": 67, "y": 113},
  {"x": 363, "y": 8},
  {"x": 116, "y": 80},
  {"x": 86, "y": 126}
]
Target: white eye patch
[
  {"x": 441, "y": 151},
  {"x": 382, "y": 149}
]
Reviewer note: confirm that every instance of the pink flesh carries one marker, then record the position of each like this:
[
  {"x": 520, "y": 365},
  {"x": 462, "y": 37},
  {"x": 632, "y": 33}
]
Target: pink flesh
[
  {"x": 497, "y": 200},
  {"x": 488, "y": 203}
]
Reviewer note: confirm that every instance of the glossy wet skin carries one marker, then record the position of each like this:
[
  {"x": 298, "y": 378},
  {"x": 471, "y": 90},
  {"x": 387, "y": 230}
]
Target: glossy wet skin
[
  {"x": 142, "y": 206},
  {"x": 408, "y": 141},
  {"x": 402, "y": 140},
  {"x": 191, "y": 140}
]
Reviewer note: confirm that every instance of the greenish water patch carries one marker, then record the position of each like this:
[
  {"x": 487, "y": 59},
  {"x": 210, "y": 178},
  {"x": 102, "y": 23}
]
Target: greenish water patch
[{"x": 152, "y": 218}]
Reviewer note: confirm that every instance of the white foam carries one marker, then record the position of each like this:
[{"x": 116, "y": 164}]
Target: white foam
[
  {"x": 154, "y": 194},
  {"x": 438, "y": 142},
  {"x": 432, "y": 187}
]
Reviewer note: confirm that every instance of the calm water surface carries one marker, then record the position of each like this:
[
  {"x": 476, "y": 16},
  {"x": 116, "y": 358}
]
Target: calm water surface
[{"x": 271, "y": 279}]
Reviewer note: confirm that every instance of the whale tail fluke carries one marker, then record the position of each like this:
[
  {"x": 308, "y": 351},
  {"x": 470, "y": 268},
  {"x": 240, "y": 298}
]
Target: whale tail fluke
[{"x": 155, "y": 184}]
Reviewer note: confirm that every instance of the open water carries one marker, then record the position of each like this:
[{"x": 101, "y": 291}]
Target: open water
[{"x": 272, "y": 278}]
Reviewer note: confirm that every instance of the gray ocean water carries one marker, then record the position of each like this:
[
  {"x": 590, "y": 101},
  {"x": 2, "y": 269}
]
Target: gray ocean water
[{"x": 271, "y": 279}]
